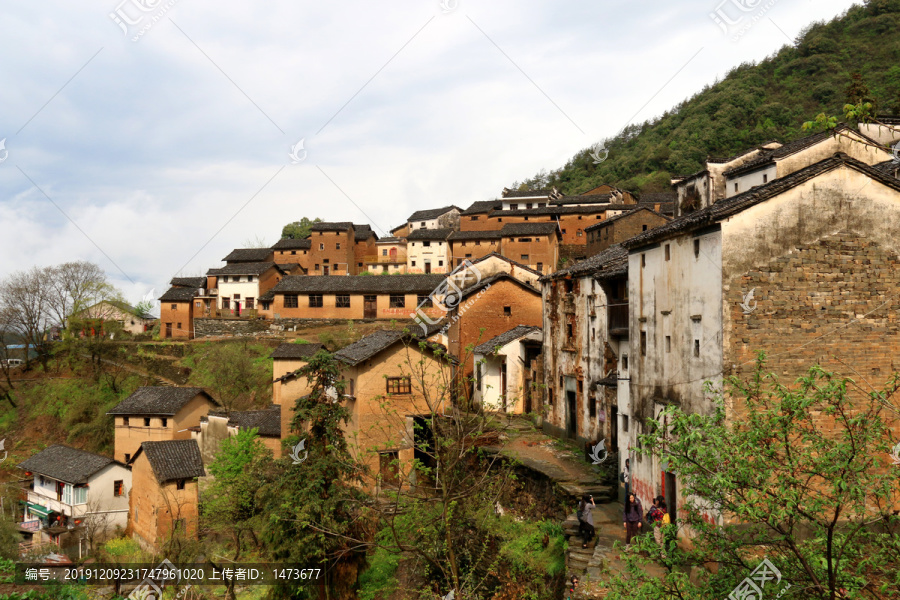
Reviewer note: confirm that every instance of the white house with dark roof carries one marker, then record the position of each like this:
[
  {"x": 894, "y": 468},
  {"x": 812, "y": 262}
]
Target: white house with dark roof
[
  {"x": 156, "y": 414},
  {"x": 70, "y": 487},
  {"x": 238, "y": 286},
  {"x": 446, "y": 217},
  {"x": 505, "y": 371},
  {"x": 389, "y": 257},
  {"x": 523, "y": 199},
  {"x": 428, "y": 251}
]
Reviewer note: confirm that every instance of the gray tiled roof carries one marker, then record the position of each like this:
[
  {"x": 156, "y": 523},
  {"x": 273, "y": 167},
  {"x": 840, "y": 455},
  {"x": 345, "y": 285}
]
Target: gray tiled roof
[
  {"x": 335, "y": 226},
  {"x": 475, "y": 235},
  {"x": 429, "y": 234},
  {"x": 505, "y": 338},
  {"x": 431, "y": 213},
  {"x": 250, "y": 255},
  {"x": 494, "y": 279},
  {"x": 158, "y": 400},
  {"x": 588, "y": 199},
  {"x": 507, "y": 193},
  {"x": 515, "y": 229},
  {"x": 292, "y": 244},
  {"x": 390, "y": 240},
  {"x": 375, "y": 342},
  {"x": 248, "y": 268},
  {"x": 612, "y": 262},
  {"x": 267, "y": 421},
  {"x": 297, "y": 351},
  {"x": 188, "y": 282},
  {"x": 65, "y": 464},
  {"x": 358, "y": 284},
  {"x": 507, "y": 259},
  {"x": 735, "y": 204},
  {"x": 179, "y": 294},
  {"x": 482, "y": 206},
  {"x": 363, "y": 232},
  {"x": 173, "y": 459},
  {"x": 613, "y": 219}
]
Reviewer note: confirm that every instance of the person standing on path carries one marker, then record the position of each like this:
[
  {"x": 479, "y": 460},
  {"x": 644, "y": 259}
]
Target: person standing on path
[
  {"x": 586, "y": 519},
  {"x": 633, "y": 517},
  {"x": 626, "y": 477},
  {"x": 655, "y": 520}
]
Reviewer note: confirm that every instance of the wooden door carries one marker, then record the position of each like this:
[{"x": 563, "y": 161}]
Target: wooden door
[{"x": 370, "y": 307}]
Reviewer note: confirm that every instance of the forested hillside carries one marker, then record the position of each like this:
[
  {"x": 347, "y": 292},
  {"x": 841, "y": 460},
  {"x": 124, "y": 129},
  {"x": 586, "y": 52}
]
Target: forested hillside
[{"x": 853, "y": 57}]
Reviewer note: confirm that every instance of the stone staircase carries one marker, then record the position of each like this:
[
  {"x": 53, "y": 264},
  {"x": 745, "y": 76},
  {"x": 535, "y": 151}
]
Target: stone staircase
[{"x": 591, "y": 560}]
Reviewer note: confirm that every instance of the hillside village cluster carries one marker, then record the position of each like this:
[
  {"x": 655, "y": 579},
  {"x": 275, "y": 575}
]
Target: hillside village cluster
[{"x": 591, "y": 313}]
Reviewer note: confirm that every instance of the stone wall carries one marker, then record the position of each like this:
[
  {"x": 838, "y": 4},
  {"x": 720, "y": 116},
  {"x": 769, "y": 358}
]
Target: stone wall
[{"x": 229, "y": 327}]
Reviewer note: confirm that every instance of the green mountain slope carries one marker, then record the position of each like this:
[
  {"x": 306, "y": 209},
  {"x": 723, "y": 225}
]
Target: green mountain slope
[{"x": 753, "y": 104}]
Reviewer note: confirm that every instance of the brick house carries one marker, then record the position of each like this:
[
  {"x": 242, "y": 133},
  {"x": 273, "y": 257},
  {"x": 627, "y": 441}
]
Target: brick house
[
  {"x": 75, "y": 494},
  {"x": 356, "y": 297},
  {"x": 475, "y": 218},
  {"x": 177, "y": 305},
  {"x": 155, "y": 414},
  {"x": 533, "y": 244},
  {"x": 506, "y": 369},
  {"x": 619, "y": 228},
  {"x": 711, "y": 289},
  {"x": 585, "y": 347},
  {"x": 238, "y": 286},
  {"x": 392, "y": 385},
  {"x": 218, "y": 425},
  {"x": 165, "y": 498},
  {"x": 291, "y": 251},
  {"x": 333, "y": 249},
  {"x": 287, "y": 359},
  {"x": 493, "y": 306},
  {"x": 472, "y": 245},
  {"x": 446, "y": 217},
  {"x": 428, "y": 251},
  {"x": 389, "y": 256},
  {"x": 364, "y": 244}
]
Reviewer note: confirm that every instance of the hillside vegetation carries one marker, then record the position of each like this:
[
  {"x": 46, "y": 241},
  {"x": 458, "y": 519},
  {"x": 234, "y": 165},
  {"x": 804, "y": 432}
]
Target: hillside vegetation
[{"x": 754, "y": 103}]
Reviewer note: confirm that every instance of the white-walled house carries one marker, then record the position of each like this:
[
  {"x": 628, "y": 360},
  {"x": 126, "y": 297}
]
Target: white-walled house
[
  {"x": 240, "y": 285},
  {"x": 128, "y": 317},
  {"x": 428, "y": 251},
  {"x": 72, "y": 488},
  {"x": 446, "y": 217},
  {"x": 503, "y": 367}
]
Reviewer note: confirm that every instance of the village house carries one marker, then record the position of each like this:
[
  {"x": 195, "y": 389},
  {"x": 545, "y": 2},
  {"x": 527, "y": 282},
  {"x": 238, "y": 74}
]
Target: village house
[
  {"x": 535, "y": 245},
  {"x": 428, "y": 251},
  {"x": 488, "y": 308},
  {"x": 585, "y": 348},
  {"x": 96, "y": 319},
  {"x": 364, "y": 244},
  {"x": 506, "y": 368},
  {"x": 177, "y": 306},
  {"x": 218, "y": 425},
  {"x": 356, "y": 297},
  {"x": 495, "y": 264},
  {"x": 395, "y": 384},
  {"x": 400, "y": 231},
  {"x": 389, "y": 257},
  {"x": 156, "y": 414},
  {"x": 332, "y": 249},
  {"x": 619, "y": 228},
  {"x": 291, "y": 251},
  {"x": 287, "y": 359},
  {"x": 515, "y": 199},
  {"x": 472, "y": 245},
  {"x": 249, "y": 255},
  {"x": 475, "y": 217},
  {"x": 165, "y": 498},
  {"x": 709, "y": 290},
  {"x": 75, "y": 495},
  {"x": 238, "y": 286},
  {"x": 446, "y": 217}
]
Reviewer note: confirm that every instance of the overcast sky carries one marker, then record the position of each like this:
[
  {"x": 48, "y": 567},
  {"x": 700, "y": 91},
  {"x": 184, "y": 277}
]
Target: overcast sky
[{"x": 156, "y": 144}]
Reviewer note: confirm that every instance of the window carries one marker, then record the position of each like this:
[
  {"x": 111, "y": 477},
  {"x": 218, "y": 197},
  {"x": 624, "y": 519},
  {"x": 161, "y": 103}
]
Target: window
[
  {"x": 468, "y": 256},
  {"x": 540, "y": 266},
  {"x": 358, "y": 264},
  {"x": 425, "y": 300},
  {"x": 398, "y": 385},
  {"x": 564, "y": 231},
  {"x": 293, "y": 252},
  {"x": 592, "y": 407},
  {"x": 125, "y": 421},
  {"x": 164, "y": 422},
  {"x": 290, "y": 301},
  {"x": 477, "y": 242},
  {"x": 624, "y": 422},
  {"x": 643, "y": 343},
  {"x": 179, "y": 327},
  {"x": 317, "y": 267},
  {"x": 507, "y": 311},
  {"x": 765, "y": 178},
  {"x": 225, "y": 279},
  {"x": 550, "y": 395},
  {"x": 315, "y": 300},
  {"x": 179, "y": 484},
  {"x": 81, "y": 494},
  {"x": 423, "y": 224},
  {"x": 643, "y": 228},
  {"x": 440, "y": 263},
  {"x": 118, "y": 488},
  {"x": 569, "y": 331},
  {"x": 643, "y": 260},
  {"x": 668, "y": 343},
  {"x": 696, "y": 248},
  {"x": 696, "y": 347},
  {"x": 426, "y": 244},
  {"x": 579, "y": 233},
  {"x": 384, "y": 252},
  {"x": 398, "y": 301},
  {"x": 524, "y": 257},
  {"x": 127, "y": 457},
  {"x": 524, "y": 239},
  {"x": 625, "y": 362},
  {"x": 321, "y": 246},
  {"x": 528, "y": 205},
  {"x": 337, "y": 246},
  {"x": 513, "y": 207},
  {"x": 248, "y": 302},
  {"x": 668, "y": 253},
  {"x": 174, "y": 307},
  {"x": 237, "y": 297},
  {"x": 473, "y": 218},
  {"x": 735, "y": 186},
  {"x": 342, "y": 301},
  {"x": 412, "y": 263},
  {"x": 389, "y": 467},
  {"x": 146, "y": 421}
]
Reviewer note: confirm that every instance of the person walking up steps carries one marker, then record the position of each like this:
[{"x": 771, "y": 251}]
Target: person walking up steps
[
  {"x": 655, "y": 520},
  {"x": 633, "y": 517},
  {"x": 586, "y": 519}
]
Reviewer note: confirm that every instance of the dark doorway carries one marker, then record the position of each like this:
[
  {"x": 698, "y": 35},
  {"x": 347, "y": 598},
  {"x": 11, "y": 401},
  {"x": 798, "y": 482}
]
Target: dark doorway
[
  {"x": 427, "y": 267},
  {"x": 168, "y": 330},
  {"x": 370, "y": 307},
  {"x": 571, "y": 430},
  {"x": 532, "y": 357},
  {"x": 324, "y": 269},
  {"x": 613, "y": 428},
  {"x": 671, "y": 493}
]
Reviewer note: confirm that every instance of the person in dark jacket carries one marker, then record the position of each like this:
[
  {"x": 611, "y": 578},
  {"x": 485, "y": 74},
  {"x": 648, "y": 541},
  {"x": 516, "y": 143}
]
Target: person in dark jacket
[
  {"x": 633, "y": 516},
  {"x": 586, "y": 519}
]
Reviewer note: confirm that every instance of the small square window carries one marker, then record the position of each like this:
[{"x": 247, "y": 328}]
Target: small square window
[
  {"x": 291, "y": 300},
  {"x": 398, "y": 301},
  {"x": 146, "y": 421},
  {"x": 118, "y": 488},
  {"x": 398, "y": 385},
  {"x": 293, "y": 252},
  {"x": 384, "y": 252},
  {"x": 125, "y": 421},
  {"x": 337, "y": 246},
  {"x": 315, "y": 300},
  {"x": 179, "y": 485},
  {"x": 524, "y": 257},
  {"x": 507, "y": 311},
  {"x": 425, "y": 301},
  {"x": 321, "y": 246},
  {"x": 164, "y": 422},
  {"x": 127, "y": 457},
  {"x": 342, "y": 301},
  {"x": 174, "y": 307},
  {"x": 643, "y": 228},
  {"x": 540, "y": 267}
]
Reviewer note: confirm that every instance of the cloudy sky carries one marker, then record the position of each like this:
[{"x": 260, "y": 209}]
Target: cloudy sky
[{"x": 153, "y": 136}]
